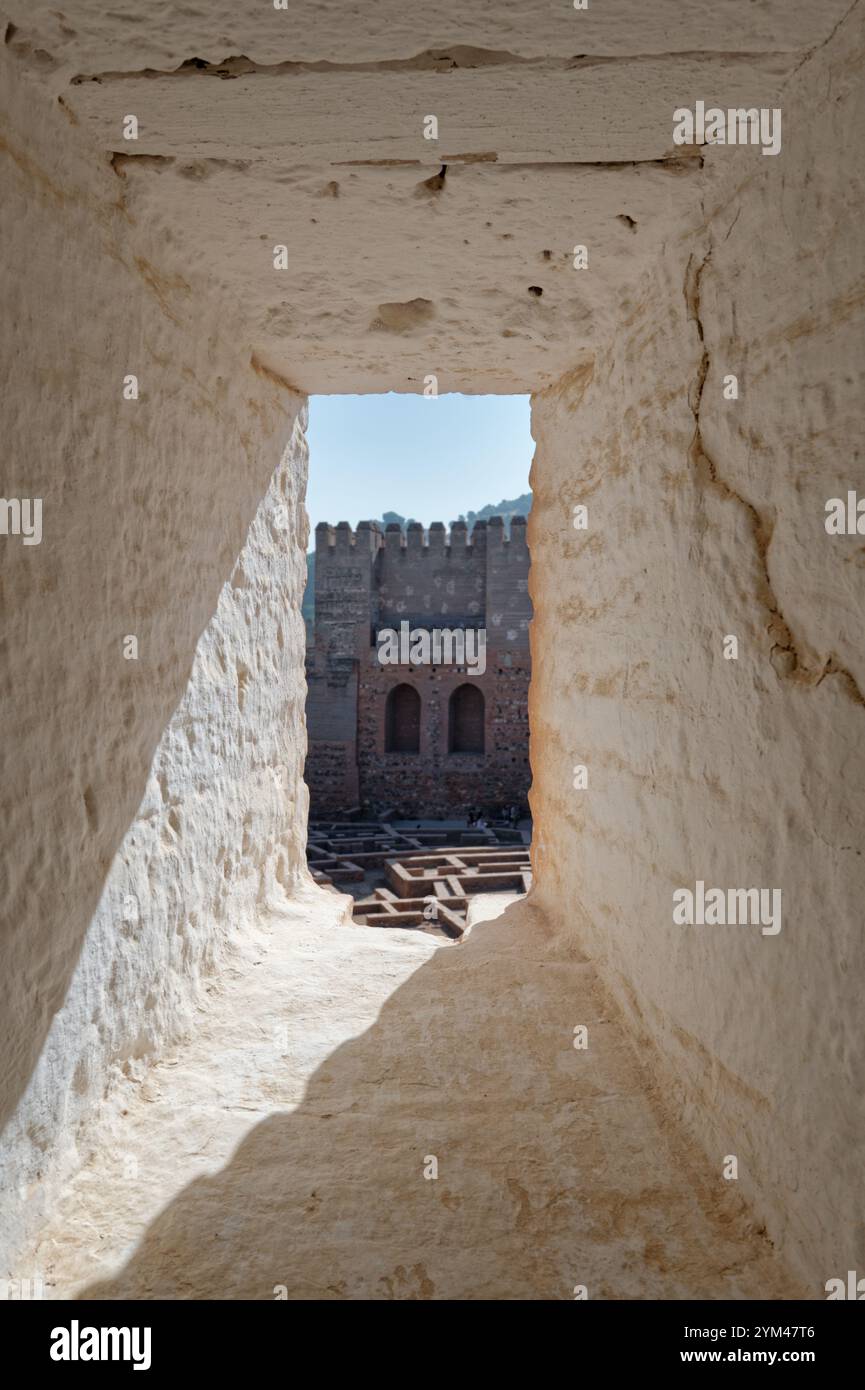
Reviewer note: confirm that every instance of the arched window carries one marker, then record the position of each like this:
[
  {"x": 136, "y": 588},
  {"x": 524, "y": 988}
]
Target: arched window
[
  {"x": 402, "y": 720},
  {"x": 466, "y": 720}
]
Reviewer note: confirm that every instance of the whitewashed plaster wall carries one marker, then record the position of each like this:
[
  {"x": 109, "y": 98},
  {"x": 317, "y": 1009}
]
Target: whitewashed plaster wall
[
  {"x": 150, "y": 806},
  {"x": 706, "y": 519}
]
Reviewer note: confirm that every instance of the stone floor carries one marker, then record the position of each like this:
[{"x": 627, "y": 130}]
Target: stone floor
[{"x": 283, "y": 1148}]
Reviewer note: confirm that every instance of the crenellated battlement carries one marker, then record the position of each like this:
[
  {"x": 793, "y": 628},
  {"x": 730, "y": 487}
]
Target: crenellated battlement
[{"x": 368, "y": 538}]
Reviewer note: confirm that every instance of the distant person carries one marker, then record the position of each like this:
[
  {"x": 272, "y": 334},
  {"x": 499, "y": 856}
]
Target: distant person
[{"x": 482, "y": 824}]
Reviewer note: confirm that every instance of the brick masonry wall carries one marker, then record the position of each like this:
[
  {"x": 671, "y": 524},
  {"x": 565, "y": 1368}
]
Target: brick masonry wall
[
  {"x": 434, "y": 782},
  {"x": 434, "y": 584}
]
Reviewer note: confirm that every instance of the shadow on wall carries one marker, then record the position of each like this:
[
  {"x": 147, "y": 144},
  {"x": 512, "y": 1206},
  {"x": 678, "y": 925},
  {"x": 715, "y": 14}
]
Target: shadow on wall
[
  {"x": 93, "y": 812},
  {"x": 555, "y": 1166},
  {"x": 147, "y": 496}
]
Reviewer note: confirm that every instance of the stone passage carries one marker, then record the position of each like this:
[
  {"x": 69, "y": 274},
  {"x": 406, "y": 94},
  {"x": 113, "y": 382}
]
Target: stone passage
[
  {"x": 345, "y": 1058},
  {"x": 211, "y": 1082},
  {"x": 428, "y": 739}
]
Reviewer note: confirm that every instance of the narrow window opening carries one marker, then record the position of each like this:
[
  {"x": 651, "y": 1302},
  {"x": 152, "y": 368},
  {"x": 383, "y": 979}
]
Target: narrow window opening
[{"x": 418, "y": 659}]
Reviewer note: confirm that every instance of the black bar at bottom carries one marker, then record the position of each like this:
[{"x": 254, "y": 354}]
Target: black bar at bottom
[{"x": 166, "y": 1338}]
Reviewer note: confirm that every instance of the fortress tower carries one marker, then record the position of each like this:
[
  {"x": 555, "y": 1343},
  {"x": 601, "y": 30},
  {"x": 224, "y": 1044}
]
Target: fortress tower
[{"x": 422, "y": 740}]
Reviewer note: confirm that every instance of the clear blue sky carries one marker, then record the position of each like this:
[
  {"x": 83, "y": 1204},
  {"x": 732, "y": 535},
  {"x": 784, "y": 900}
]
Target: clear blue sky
[{"x": 425, "y": 458}]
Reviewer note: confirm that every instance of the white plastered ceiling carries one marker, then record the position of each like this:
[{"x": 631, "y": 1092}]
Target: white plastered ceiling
[{"x": 407, "y": 257}]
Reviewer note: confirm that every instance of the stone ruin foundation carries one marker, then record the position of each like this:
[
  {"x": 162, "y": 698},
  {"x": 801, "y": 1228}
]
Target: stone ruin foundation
[{"x": 423, "y": 877}]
